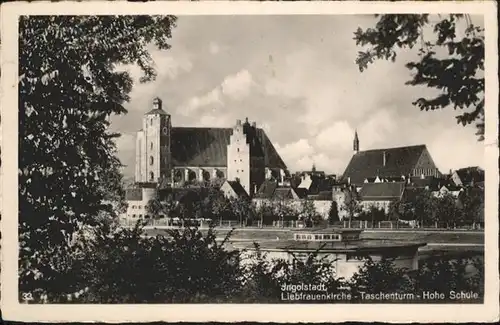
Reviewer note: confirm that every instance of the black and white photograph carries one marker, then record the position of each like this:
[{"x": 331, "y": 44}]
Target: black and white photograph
[{"x": 230, "y": 157}]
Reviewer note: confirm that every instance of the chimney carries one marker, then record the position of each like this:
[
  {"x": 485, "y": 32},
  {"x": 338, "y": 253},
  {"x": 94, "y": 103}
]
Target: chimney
[{"x": 385, "y": 158}]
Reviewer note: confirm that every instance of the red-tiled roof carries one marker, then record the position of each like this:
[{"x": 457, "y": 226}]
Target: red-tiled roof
[
  {"x": 370, "y": 163},
  {"x": 208, "y": 147},
  {"x": 381, "y": 191}
]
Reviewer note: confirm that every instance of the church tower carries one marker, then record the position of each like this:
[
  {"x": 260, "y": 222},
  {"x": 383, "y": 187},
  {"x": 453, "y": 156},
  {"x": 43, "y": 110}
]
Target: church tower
[
  {"x": 238, "y": 157},
  {"x": 355, "y": 144},
  {"x": 153, "y": 153}
]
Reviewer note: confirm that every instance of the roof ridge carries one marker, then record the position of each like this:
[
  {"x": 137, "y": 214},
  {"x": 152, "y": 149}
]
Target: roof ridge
[{"x": 392, "y": 148}]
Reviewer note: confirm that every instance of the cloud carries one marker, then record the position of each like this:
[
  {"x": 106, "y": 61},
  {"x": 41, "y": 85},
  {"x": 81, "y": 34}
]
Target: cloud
[
  {"x": 234, "y": 86},
  {"x": 336, "y": 138},
  {"x": 302, "y": 87},
  {"x": 238, "y": 85},
  {"x": 171, "y": 67},
  {"x": 214, "y": 48},
  {"x": 193, "y": 104}
]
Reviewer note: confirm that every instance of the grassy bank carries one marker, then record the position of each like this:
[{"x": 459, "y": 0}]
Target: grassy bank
[{"x": 458, "y": 237}]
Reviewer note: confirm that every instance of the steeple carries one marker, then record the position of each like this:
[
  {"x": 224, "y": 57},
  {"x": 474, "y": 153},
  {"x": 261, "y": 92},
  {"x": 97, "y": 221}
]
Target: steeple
[
  {"x": 157, "y": 107},
  {"x": 355, "y": 144},
  {"x": 313, "y": 168}
]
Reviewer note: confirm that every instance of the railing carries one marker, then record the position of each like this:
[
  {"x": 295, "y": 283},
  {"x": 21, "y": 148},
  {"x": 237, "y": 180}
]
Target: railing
[{"x": 293, "y": 224}]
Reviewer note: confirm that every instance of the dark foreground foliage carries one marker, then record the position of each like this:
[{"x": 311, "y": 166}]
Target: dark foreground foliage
[{"x": 189, "y": 266}]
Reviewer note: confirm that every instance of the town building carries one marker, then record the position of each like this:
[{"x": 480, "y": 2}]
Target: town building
[
  {"x": 137, "y": 198},
  {"x": 233, "y": 190},
  {"x": 392, "y": 164},
  {"x": 469, "y": 176},
  {"x": 344, "y": 248},
  {"x": 172, "y": 157},
  {"x": 184, "y": 154},
  {"x": 380, "y": 195}
]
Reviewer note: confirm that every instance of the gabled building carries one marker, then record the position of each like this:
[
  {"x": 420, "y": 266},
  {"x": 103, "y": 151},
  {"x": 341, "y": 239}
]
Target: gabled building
[
  {"x": 380, "y": 195},
  {"x": 470, "y": 176},
  {"x": 185, "y": 154},
  {"x": 270, "y": 190},
  {"x": 393, "y": 164},
  {"x": 233, "y": 189}
]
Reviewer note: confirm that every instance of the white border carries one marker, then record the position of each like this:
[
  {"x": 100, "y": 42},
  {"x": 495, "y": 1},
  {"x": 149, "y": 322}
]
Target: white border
[{"x": 12, "y": 310}]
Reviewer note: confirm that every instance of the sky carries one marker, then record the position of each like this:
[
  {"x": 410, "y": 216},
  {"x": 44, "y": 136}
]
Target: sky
[{"x": 296, "y": 77}]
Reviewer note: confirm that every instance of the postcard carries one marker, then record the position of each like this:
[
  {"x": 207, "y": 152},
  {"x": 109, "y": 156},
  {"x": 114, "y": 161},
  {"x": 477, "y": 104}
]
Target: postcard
[{"x": 249, "y": 161}]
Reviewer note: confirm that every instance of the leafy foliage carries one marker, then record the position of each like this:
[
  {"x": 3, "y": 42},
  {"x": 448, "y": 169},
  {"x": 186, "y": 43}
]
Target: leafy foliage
[
  {"x": 308, "y": 214},
  {"x": 451, "y": 63},
  {"x": 129, "y": 268},
  {"x": 373, "y": 214},
  {"x": 382, "y": 276},
  {"x": 333, "y": 213},
  {"x": 351, "y": 204},
  {"x": 68, "y": 87}
]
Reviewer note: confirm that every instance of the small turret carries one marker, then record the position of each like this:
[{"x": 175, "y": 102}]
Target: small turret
[{"x": 355, "y": 144}]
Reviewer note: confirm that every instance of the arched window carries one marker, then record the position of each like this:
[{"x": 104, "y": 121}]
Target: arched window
[
  {"x": 151, "y": 146},
  {"x": 151, "y": 176},
  {"x": 151, "y": 122},
  {"x": 151, "y": 160}
]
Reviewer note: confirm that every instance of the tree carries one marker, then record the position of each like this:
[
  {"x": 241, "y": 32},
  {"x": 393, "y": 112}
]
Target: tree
[
  {"x": 265, "y": 212},
  {"x": 154, "y": 207},
  {"x": 333, "y": 213},
  {"x": 471, "y": 202},
  {"x": 351, "y": 204},
  {"x": 241, "y": 208},
  {"x": 447, "y": 210},
  {"x": 180, "y": 266},
  {"x": 451, "y": 63},
  {"x": 283, "y": 210},
  {"x": 421, "y": 208},
  {"x": 381, "y": 276},
  {"x": 373, "y": 214},
  {"x": 309, "y": 215},
  {"x": 68, "y": 88}
]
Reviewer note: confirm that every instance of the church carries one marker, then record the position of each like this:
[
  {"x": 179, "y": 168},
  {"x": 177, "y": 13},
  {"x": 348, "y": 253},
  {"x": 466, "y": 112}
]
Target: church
[
  {"x": 175, "y": 156},
  {"x": 401, "y": 163}
]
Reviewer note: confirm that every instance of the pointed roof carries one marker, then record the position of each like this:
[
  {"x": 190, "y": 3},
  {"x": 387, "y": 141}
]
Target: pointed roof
[
  {"x": 156, "y": 111},
  {"x": 399, "y": 161},
  {"x": 157, "y": 108},
  {"x": 191, "y": 146},
  {"x": 238, "y": 189}
]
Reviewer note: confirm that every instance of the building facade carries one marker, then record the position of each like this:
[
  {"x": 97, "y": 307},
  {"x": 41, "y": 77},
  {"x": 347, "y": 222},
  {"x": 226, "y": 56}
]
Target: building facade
[
  {"x": 179, "y": 155},
  {"x": 390, "y": 163}
]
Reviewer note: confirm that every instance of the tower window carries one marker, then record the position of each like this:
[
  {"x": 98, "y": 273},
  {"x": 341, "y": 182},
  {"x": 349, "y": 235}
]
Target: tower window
[
  {"x": 151, "y": 176},
  {"x": 151, "y": 160},
  {"x": 151, "y": 145},
  {"x": 238, "y": 149},
  {"x": 151, "y": 122}
]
